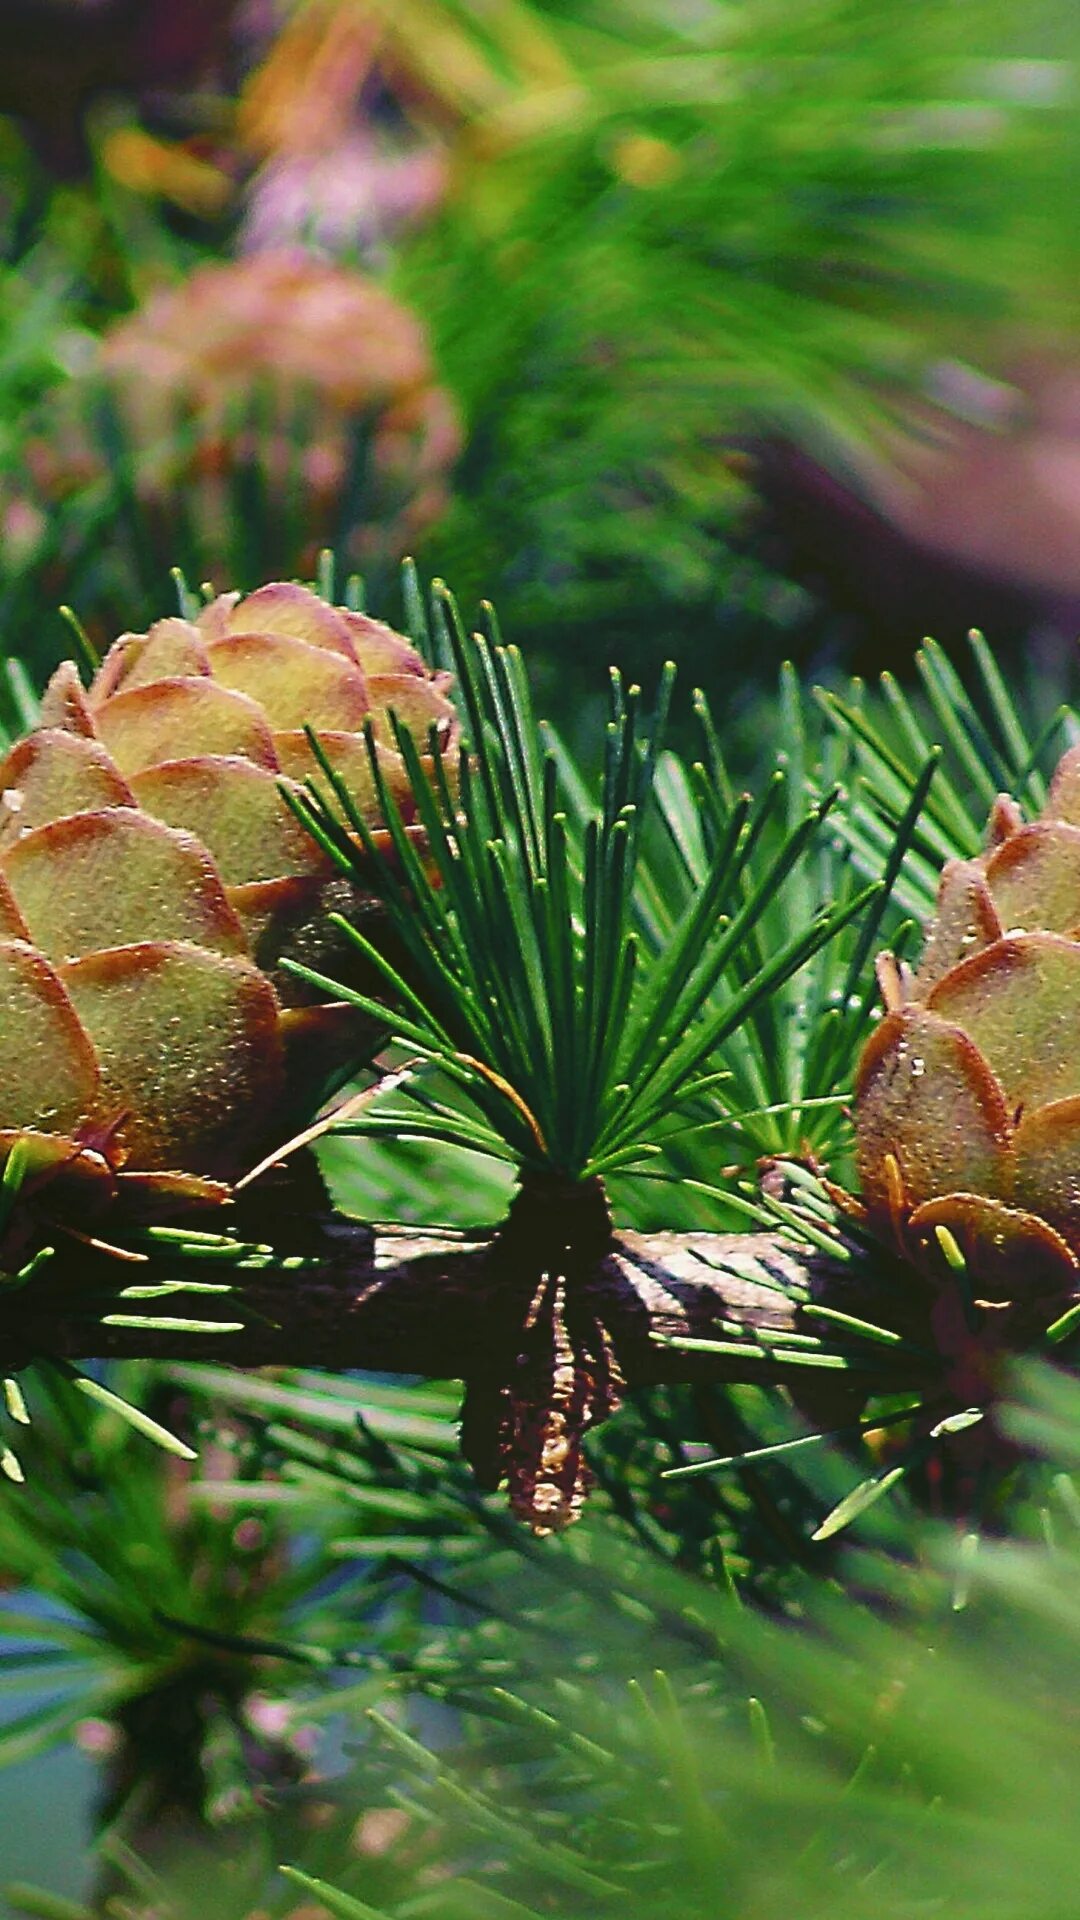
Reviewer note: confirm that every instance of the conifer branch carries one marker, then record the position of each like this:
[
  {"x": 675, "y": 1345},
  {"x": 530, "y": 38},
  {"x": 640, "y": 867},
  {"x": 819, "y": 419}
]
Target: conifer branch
[{"x": 429, "y": 1305}]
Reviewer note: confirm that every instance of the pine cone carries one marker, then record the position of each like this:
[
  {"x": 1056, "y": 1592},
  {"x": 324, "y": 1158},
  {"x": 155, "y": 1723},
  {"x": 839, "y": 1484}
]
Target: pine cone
[
  {"x": 276, "y": 398},
  {"x": 968, "y": 1093},
  {"x": 152, "y": 877},
  {"x": 296, "y": 352}
]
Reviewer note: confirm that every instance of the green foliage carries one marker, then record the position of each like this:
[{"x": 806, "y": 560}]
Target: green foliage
[
  {"x": 575, "y": 1042},
  {"x": 772, "y": 220},
  {"x": 902, "y": 781},
  {"x": 70, "y": 257},
  {"x": 673, "y": 228},
  {"x": 178, "y": 1615},
  {"x": 859, "y": 1772},
  {"x": 961, "y": 744},
  {"x": 118, "y": 1559},
  {"x": 106, "y": 539},
  {"x": 591, "y": 1728},
  {"x": 173, "y": 1296},
  {"x": 790, "y": 1060}
]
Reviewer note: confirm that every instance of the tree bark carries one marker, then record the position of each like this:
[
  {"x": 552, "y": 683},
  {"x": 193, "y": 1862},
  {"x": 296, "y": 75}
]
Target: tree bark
[{"x": 430, "y": 1305}]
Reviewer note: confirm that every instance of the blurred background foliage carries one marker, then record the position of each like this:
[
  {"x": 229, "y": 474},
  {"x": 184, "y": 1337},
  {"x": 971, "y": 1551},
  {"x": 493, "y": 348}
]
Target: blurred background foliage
[
  {"x": 665, "y": 1706},
  {"x": 720, "y": 331},
  {"x": 726, "y": 313}
]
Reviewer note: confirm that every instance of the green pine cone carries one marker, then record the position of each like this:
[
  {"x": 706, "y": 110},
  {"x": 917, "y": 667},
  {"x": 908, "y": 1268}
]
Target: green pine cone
[
  {"x": 152, "y": 877},
  {"x": 968, "y": 1093}
]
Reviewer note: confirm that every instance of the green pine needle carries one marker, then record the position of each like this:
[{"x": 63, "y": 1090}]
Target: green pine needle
[
  {"x": 991, "y": 742},
  {"x": 536, "y": 984},
  {"x": 859, "y": 1501},
  {"x": 340, "y": 1904},
  {"x": 133, "y": 1416}
]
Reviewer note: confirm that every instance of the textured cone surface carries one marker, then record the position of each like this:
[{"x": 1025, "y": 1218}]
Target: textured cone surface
[
  {"x": 968, "y": 1094},
  {"x": 152, "y": 878}
]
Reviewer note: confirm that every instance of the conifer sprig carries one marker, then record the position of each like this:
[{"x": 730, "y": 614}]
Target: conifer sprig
[
  {"x": 530, "y": 983},
  {"x": 983, "y": 739},
  {"x": 788, "y": 1066}
]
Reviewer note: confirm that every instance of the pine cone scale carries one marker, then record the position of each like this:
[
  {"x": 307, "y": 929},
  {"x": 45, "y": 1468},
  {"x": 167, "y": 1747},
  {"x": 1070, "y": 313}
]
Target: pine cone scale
[
  {"x": 51, "y": 1079},
  {"x": 295, "y": 684},
  {"x": 98, "y": 880},
  {"x": 236, "y": 810},
  {"x": 1019, "y": 1002},
  {"x": 928, "y": 1099},
  {"x": 141, "y": 725},
  {"x": 218, "y": 1071},
  {"x": 53, "y": 774}
]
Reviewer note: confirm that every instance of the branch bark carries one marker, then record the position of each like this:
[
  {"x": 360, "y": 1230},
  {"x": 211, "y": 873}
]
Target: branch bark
[{"x": 421, "y": 1304}]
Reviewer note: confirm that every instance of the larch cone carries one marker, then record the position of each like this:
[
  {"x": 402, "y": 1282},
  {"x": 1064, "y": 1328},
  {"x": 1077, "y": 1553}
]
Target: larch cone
[{"x": 153, "y": 878}]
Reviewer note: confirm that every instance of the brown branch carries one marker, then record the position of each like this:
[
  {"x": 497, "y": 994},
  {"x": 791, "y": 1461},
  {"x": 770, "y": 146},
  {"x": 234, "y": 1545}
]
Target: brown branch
[{"x": 426, "y": 1305}]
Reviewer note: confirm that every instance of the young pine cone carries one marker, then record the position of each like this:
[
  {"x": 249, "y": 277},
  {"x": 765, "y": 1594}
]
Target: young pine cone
[
  {"x": 968, "y": 1094},
  {"x": 152, "y": 878}
]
